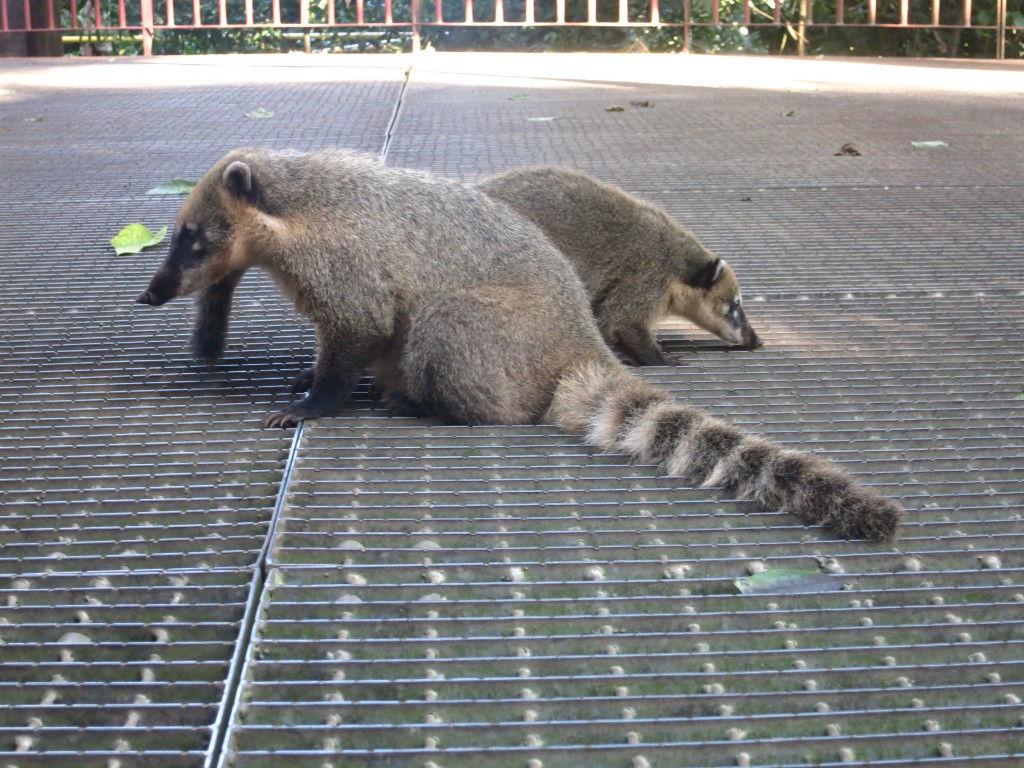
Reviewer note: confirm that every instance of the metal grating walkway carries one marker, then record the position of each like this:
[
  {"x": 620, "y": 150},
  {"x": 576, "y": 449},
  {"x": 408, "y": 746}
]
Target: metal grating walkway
[{"x": 179, "y": 587}]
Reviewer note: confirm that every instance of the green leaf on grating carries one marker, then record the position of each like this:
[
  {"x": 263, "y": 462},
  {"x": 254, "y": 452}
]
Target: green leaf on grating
[
  {"x": 137, "y": 237},
  {"x": 173, "y": 187},
  {"x": 259, "y": 113},
  {"x": 788, "y": 580}
]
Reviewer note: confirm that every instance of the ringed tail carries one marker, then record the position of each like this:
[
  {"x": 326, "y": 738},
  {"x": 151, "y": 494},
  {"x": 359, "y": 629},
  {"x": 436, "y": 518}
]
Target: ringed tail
[{"x": 618, "y": 412}]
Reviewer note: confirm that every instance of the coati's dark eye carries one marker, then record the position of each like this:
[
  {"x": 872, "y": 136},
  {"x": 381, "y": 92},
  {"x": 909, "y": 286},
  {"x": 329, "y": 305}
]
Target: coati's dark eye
[{"x": 188, "y": 234}]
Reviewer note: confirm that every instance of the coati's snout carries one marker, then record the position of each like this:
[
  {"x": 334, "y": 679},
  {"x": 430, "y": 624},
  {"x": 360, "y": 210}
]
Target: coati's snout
[
  {"x": 751, "y": 340},
  {"x": 162, "y": 288}
]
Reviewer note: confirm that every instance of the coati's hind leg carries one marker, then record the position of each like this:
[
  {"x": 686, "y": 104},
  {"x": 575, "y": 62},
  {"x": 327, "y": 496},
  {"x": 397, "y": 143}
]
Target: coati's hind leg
[
  {"x": 490, "y": 356},
  {"x": 213, "y": 306}
]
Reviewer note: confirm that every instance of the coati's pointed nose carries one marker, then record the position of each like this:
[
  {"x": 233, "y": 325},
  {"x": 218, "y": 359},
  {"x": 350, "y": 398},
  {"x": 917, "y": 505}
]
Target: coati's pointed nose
[
  {"x": 753, "y": 342},
  {"x": 144, "y": 298}
]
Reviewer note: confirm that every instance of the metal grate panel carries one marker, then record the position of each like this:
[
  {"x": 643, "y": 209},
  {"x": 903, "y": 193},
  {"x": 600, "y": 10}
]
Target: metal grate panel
[
  {"x": 128, "y": 668},
  {"x": 509, "y": 593}
]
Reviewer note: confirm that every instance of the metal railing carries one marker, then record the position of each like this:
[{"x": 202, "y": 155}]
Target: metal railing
[{"x": 145, "y": 17}]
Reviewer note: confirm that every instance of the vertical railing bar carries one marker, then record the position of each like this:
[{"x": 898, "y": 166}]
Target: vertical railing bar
[
  {"x": 146, "y": 12},
  {"x": 439, "y": 11},
  {"x": 28, "y": 14},
  {"x": 935, "y": 13},
  {"x": 714, "y": 12},
  {"x": 248, "y": 13},
  {"x": 801, "y": 40},
  {"x": 872, "y": 12},
  {"x": 330, "y": 12},
  {"x": 777, "y": 11},
  {"x": 197, "y": 14},
  {"x": 275, "y": 12},
  {"x": 1000, "y": 29},
  {"x": 530, "y": 13},
  {"x": 559, "y": 11},
  {"x": 73, "y": 9},
  {"x": 51, "y": 23},
  {"x": 3, "y": 16},
  {"x": 746, "y": 12},
  {"x": 655, "y": 13},
  {"x": 389, "y": 18},
  {"x": 591, "y": 11},
  {"x": 499, "y": 11},
  {"x": 840, "y": 11},
  {"x": 904, "y": 12},
  {"x": 303, "y": 12},
  {"x": 687, "y": 29},
  {"x": 170, "y": 13},
  {"x": 360, "y": 11},
  {"x": 469, "y": 11},
  {"x": 122, "y": 17},
  {"x": 222, "y": 12},
  {"x": 967, "y": 13}
]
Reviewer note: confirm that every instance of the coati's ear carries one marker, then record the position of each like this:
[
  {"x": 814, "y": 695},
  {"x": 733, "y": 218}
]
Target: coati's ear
[
  {"x": 239, "y": 182},
  {"x": 707, "y": 275}
]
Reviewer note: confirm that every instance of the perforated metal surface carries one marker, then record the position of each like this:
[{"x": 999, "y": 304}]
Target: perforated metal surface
[
  {"x": 509, "y": 591},
  {"x": 440, "y": 596},
  {"x": 136, "y": 489}
]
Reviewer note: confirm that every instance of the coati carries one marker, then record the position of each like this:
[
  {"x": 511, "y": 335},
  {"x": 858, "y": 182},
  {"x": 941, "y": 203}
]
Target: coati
[
  {"x": 464, "y": 310},
  {"x": 638, "y": 265}
]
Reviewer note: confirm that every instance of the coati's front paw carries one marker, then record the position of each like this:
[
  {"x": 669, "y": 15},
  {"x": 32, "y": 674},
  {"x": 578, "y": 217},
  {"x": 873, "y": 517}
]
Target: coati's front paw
[
  {"x": 658, "y": 357},
  {"x": 294, "y": 414},
  {"x": 303, "y": 382}
]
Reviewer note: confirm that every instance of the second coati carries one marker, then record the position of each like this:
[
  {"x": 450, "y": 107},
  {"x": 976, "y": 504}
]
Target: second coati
[
  {"x": 464, "y": 310},
  {"x": 638, "y": 265}
]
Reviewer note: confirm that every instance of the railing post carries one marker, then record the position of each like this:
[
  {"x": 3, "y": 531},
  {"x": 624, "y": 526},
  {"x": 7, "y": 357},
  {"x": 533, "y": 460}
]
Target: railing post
[
  {"x": 416, "y": 14},
  {"x": 1000, "y": 29},
  {"x": 801, "y": 46},
  {"x": 147, "y": 27}
]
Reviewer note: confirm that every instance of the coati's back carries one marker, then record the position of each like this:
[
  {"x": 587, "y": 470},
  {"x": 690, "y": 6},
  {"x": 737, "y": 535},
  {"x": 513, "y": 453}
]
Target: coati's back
[
  {"x": 342, "y": 199},
  {"x": 605, "y": 233}
]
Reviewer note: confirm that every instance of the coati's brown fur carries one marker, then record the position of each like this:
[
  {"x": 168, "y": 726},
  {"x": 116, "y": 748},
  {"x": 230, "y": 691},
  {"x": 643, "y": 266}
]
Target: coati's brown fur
[
  {"x": 638, "y": 265},
  {"x": 464, "y": 311}
]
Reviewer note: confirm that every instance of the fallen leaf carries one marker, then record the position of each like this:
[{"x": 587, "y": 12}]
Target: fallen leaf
[
  {"x": 541, "y": 119},
  {"x": 645, "y": 104},
  {"x": 849, "y": 150},
  {"x": 34, "y": 119},
  {"x": 788, "y": 580},
  {"x": 615, "y": 108},
  {"x": 259, "y": 113},
  {"x": 519, "y": 97},
  {"x": 929, "y": 144},
  {"x": 788, "y": 113},
  {"x": 137, "y": 237},
  {"x": 173, "y": 187}
]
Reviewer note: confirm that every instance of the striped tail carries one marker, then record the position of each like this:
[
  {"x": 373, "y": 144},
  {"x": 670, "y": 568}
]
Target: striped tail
[{"x": 621, "y": 413}]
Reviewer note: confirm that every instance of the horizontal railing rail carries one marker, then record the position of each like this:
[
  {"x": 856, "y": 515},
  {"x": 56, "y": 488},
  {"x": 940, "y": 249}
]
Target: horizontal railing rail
[{"x": 145, "y": 17}]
